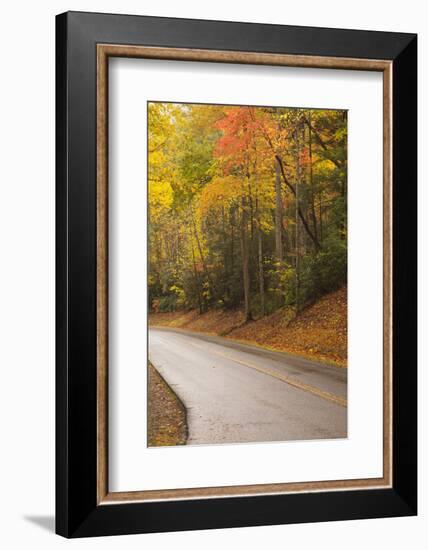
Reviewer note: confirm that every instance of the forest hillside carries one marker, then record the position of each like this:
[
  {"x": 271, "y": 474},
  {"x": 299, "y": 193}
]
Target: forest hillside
[{"x": 247, "y": 217}]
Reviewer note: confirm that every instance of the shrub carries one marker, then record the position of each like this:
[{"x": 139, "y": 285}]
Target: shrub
[
  {"x": 167, "y": 303},
  {"x": 324, "y": 272}
]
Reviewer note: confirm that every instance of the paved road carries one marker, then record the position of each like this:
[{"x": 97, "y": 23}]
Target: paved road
[{"x": 235, "y": 392}]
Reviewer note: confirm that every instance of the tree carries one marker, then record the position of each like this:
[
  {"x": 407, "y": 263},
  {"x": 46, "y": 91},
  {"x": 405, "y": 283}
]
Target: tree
[{"x": 247, "y": 206}]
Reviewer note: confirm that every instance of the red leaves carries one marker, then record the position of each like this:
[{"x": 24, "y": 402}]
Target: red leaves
[{"x": 241, "y": 129}]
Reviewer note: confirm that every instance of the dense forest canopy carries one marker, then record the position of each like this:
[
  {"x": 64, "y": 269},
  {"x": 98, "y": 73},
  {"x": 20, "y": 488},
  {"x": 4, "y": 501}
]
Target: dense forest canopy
[{"x": 247, "y": 206}]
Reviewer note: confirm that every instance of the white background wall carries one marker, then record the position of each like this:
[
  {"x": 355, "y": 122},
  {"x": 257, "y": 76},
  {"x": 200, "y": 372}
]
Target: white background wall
[{"x": 27, "y": 89}]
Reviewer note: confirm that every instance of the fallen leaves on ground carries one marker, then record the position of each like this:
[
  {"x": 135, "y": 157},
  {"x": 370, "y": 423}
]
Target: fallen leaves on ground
[
  {"x": 217, "y": 322},
  {"x": 318, "y": 332},
  {"x": 166, "y": 423}
]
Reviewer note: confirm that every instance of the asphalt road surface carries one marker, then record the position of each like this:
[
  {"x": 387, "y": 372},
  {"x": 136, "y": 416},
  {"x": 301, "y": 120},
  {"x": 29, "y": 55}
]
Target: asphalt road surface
[{"x": 236, "y": 392}]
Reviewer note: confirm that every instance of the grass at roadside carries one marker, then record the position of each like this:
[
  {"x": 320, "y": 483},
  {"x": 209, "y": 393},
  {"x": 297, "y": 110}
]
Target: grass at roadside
[
  {"x": 166, "y": 425},
  {"x": 318, "y": 332}
]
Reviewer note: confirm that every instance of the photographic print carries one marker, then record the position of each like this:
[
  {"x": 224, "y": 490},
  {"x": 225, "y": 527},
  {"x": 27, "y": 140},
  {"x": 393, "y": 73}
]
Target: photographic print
[
  {"x": 247, "y": 274},
  {"x": 226, "y": 253}
]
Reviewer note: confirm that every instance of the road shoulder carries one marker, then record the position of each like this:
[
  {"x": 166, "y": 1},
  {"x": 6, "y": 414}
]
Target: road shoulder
[{"x": 166, "y": 414}]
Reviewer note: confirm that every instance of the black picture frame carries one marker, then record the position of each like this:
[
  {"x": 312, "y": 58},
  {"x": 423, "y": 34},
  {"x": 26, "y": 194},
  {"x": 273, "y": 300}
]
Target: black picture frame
[{"x": 77, "y": 511}]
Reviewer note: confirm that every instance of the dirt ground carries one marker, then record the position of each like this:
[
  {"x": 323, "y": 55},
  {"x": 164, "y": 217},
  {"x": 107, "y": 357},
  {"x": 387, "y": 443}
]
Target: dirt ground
[{"x": 166, "y": 415}]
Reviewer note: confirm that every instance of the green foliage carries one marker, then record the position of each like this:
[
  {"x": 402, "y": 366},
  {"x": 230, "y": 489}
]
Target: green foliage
[
  {"x": 325, "y": 271},
  {"x": 167, "y": 303}
]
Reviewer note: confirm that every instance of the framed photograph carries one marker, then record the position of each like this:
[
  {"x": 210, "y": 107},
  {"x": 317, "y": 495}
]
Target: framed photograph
[{"x": 236, "y": 274}]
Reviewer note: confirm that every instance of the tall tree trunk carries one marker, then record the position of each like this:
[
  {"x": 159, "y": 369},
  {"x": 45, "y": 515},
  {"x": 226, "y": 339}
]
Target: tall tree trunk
[
  {"x": 291, "y": 187},
  {"x": 225, "y": 266},
  {"x": 342, "y": 226},
  {"x": 300, "y": 212},
  {"x": 198, "y": 242},
  {"x": 158, "y": 254},
  {"x": 232, "y": 241},
  {"x": 261, "y": 273},
  {"x": 278, "y": 213},
  {"x": 342, "y": 223},
  {"x": 198, "y": 284},
  {"x": 297, "y": 245},
  {"x": 311, "y": 179},
  {"x": 320, "y": 141},
  {"x": 201, "y": 254},
  {"x": 245, "y": 262}
]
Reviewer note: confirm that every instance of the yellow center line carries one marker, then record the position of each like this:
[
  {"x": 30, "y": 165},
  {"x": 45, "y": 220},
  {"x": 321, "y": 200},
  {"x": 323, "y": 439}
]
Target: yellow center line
[{"x": 295, "y": 383}]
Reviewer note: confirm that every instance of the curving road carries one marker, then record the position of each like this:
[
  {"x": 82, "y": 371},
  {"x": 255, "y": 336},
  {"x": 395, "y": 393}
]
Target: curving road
[{"x": 236, "y": 392}]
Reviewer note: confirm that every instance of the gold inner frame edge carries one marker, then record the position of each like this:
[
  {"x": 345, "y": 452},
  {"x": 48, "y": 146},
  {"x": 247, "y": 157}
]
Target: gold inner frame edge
[{"x": 104, "y": 51}]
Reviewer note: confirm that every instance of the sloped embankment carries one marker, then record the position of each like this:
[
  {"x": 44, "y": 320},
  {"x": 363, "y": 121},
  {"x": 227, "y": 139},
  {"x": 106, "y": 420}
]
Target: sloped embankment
[
  {"x": 318, "y": 332},
  {"x": 166, "y": 422}
]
